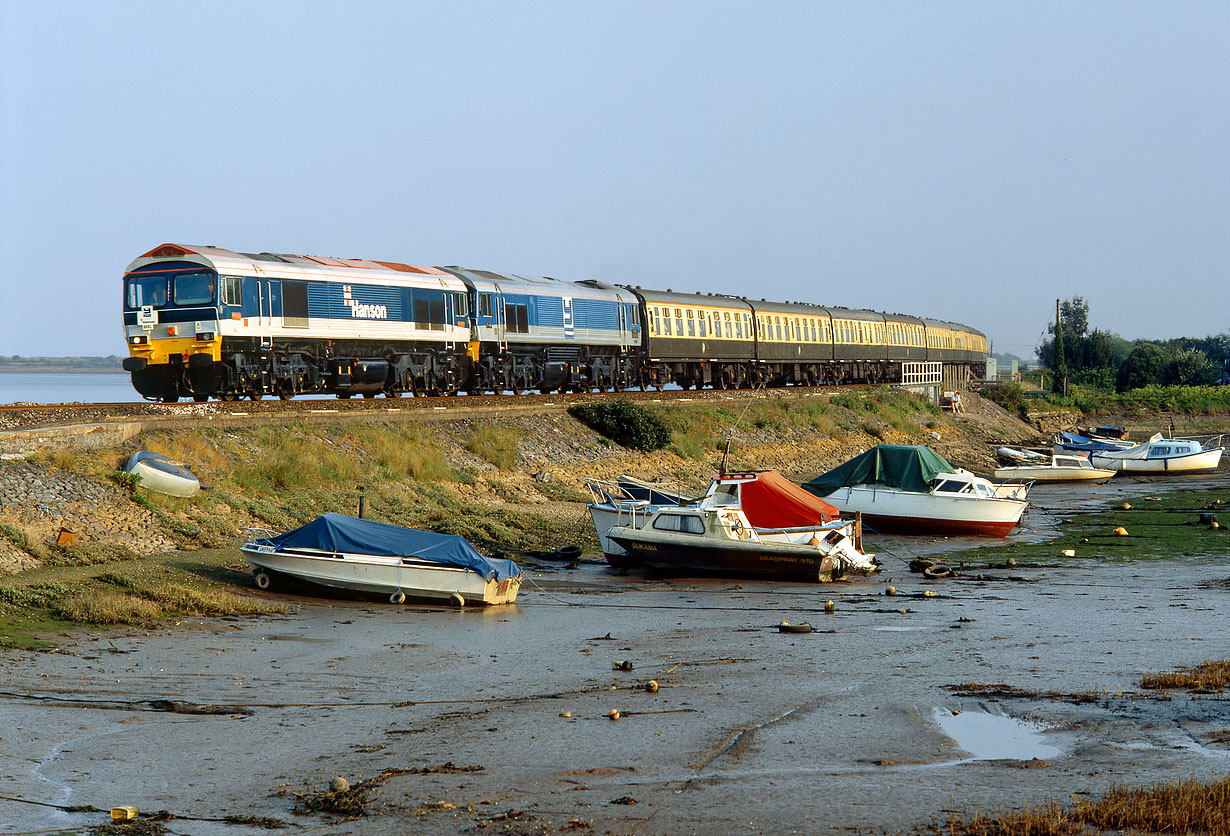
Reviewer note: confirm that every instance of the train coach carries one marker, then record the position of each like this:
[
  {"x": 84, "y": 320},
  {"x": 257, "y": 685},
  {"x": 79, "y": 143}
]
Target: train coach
[{"x": 205, "y": 322}]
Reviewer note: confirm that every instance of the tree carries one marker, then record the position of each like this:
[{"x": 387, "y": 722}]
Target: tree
[
  {"x": 1190, "y": 367},
  {"x": 1145, "y": 366}
]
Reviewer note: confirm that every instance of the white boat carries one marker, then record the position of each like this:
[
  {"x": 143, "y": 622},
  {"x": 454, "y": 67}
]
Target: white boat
[
  {"x": 625, "y": 502},
  {"x": 365, "y": 556},
  {"x": 910, "y": 489},
  {"x": 1011, "y": 454},
  {"x": 716, "y": 535},
  {"x": 1162, "y": 455},
  {"x": 158, "y": 473},
  {"x": 1057, "y": 469}
]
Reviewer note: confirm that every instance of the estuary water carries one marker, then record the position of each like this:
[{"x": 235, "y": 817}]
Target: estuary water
[{"x": 30, "y": 387}]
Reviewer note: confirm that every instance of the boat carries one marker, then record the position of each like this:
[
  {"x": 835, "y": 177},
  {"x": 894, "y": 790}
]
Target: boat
[
  {"x": 158, "y": 473},
  {"x": 770, "y": 500},
  {"x": 625, "y": 501},
  {"x": 362, "y": 555},
  {"x": 1012, "y": 455},
  {"x": 1056, "y": 468},
  {"x": 1162, "y": 455},
  {"x": 1104, "y": 432},
  {"x": 1072, "y": 443},
  {"x": 750, "y": 525},
  {"x": 911, "y": 489}
]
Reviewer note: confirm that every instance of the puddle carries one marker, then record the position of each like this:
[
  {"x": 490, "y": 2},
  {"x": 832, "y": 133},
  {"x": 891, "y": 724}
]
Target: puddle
[
  {"x": 995, "y": 736},
  {"x": 897, "y": 629}
]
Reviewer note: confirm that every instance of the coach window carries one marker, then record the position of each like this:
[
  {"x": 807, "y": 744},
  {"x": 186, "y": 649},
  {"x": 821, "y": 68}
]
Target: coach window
[
  {"x": 691, "y": 324},
  {"x": 232, "y": 290},
  {"x": 461, "y": 304},
  {"x": 727, "y": 320},
  {"x": 678, "y": 322},
  {"x": 702, "y": 324},
  {"x": 484, "y": 305}
]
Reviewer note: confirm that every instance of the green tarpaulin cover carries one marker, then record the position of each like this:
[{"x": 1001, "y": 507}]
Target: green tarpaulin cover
[{"x": 904, "y": 466}]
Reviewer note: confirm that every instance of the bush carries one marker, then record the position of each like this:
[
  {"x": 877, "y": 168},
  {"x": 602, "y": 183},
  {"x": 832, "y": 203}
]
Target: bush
[{"x": 625, "y": 423}]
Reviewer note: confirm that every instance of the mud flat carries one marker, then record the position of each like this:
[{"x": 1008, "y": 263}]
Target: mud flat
[{"x": 993, "y": 693}]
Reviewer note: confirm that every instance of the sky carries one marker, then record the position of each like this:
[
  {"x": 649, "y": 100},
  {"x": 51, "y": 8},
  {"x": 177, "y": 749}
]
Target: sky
[{"x": 970, "y": 161}]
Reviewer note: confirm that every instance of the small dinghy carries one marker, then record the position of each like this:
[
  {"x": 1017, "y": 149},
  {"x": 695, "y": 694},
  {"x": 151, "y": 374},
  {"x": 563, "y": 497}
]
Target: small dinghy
[
  {"x": 158, "y": 473},
  {"x": 365, "y": 556}
]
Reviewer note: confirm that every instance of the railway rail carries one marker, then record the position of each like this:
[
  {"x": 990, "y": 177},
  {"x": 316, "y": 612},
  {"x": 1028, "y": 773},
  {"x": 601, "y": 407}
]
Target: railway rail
[{"x": 27, "y": 416}]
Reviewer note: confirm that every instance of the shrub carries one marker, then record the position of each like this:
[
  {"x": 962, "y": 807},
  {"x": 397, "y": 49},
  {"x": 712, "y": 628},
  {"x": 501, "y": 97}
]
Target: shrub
[
  {"x": 625, "y": 423},
  {"x": 497, "y": 445}
]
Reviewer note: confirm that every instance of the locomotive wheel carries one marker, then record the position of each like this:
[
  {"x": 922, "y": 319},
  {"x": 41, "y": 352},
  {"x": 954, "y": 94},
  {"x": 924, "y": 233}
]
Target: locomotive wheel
[
  {"x": 198, "y": 398},
  {"x": 369, "y": 395},
  {"x": 256, "y": 394},
  {"x": 170, "y": 399},
  {"x": 286, "y": 391},
  {"x": 393, "y": 392},
  {"x": 228, "y": 396}
]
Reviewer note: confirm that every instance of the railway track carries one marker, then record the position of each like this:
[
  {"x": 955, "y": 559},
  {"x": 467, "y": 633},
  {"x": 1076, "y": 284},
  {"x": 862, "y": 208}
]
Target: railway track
[{"x": 22, "y": 416}]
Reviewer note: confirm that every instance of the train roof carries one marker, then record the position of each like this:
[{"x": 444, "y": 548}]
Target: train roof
[
  {"x": 952, "y": 326},
  {"x": 486, "y": 280},
  {"x": 290, "y": 266},
  {"x": 710, "y": 300}
]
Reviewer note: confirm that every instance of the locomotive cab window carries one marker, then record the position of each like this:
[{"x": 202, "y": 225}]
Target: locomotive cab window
[
  {"x": 193, "y": 288},
  {"x": 484, "y": 304},
  {"x": 146, "y": 290},
  {"x": 461, "y": 304}
]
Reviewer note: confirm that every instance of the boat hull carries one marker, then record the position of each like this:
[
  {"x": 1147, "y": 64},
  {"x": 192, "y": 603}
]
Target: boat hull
[
  {"x": 906, "y": 512},
  {"x": 160, "y": 474},
  {"x": 731, "y": 559},
  {"x": 1045, "y": 473},
  {"x": 383, "y": 575},
  {"x": 1192, "y": 463}
]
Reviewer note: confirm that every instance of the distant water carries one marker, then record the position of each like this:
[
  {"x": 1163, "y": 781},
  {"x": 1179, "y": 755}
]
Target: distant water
[{"x": 20, "y": 387}]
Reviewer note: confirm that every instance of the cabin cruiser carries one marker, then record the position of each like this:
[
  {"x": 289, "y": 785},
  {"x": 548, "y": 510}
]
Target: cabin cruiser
[
  {"x": 1162, "y": 455},
  {"x": 910, "y": 489},
  {"x": 751, "y": 525}
]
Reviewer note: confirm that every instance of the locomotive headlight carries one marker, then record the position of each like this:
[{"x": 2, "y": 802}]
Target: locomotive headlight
[
  {"x": 205, "y": 335},
  {"x": 138, "y": 340}
]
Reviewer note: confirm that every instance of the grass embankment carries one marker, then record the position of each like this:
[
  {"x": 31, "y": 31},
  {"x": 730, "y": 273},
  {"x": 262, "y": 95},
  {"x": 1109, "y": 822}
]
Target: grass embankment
[
  {"x": 1151, "y": 400},
  {"x": 279, "y": 477}
]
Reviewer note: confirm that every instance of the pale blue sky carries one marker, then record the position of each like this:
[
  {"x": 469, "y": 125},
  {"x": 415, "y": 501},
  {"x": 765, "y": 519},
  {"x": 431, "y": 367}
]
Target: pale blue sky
[{"x": 969, "y": 161}]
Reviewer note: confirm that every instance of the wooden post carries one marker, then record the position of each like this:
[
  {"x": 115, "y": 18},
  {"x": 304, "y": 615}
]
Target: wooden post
[
  {"x": 858, "y": 530},
  {"x": 362, "y": 503}
]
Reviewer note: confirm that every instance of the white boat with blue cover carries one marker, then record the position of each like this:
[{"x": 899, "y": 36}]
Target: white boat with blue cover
[{"x": 365, "y": 556}]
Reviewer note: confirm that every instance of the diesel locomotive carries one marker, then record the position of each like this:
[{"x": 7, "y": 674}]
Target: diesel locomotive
[{"x": 204, "y": 322}]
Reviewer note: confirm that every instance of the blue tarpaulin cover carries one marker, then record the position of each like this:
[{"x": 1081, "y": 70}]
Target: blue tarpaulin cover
[{"x": 339, "y": 533}]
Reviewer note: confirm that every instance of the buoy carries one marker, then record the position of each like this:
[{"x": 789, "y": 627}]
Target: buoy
[
  {"x": 565, "y": 714},
  {"x": 652, "y": 686},
  {"x": 931, "y": 593},
  {"x": 123, "y": 813},
  {"x": 625, "y": 665},
  {"x": 339, "y": 784},
  {"x": 829, "y": 606},
  {"x": 613, "y": 714},
  {"x": 1121, "y": 532},
  {"x": 892, "y": 590},
  {"x": 1068, "y": 552},
  {"x": 1215, "y": 524},
  {"x": 1124, "y": 506},
  {"x": 1011, "y": 561},
  {"x": 814, "y": 541}
]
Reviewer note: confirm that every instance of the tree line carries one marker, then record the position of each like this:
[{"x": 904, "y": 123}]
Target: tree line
[{"x": 1108, "y": 363}]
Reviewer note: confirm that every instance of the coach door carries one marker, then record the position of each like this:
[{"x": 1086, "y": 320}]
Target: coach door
[
  {"x": 501, "y": 318},
  {"x": 264, "y": 319},
  {"x": 569, "y": 329}
]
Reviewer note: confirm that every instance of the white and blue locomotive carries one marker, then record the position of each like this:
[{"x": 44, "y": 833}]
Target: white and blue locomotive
[{"x": 205, "y": 322}]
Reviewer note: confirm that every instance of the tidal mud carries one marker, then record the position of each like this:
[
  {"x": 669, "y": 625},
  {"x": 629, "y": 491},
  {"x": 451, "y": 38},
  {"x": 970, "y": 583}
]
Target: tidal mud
[{"x": 500, "y": 720}]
